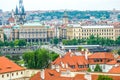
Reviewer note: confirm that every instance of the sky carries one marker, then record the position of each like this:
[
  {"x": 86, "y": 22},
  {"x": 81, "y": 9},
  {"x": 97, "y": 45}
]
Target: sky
[{"x": 8, "y": 5}]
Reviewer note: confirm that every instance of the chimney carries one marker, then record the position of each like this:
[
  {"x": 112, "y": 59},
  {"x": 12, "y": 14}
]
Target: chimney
[
  {"x": 82, "y": 49},
  {"x": 69, "y": 50},
  {"x": 86, "y": 54},
  {"x": 42, "y": 74},
  {"x": 60, "y": 56},
  {"x": 87, "y": 76}
]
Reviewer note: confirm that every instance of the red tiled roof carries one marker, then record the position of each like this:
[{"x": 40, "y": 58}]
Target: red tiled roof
[
  {"x": 113, "y": 62},
  {"x": 11, "y": 19},
  {"x": 36, "y": 77},
  {"x": 115, "y": 70},
  {"x": 102, "y": 55},
  {"x": 71, "y": 59},
  {"x": 7, "y": 65},
  {"x": 6, "y": 26},
  {"x": 54, "y": 75},
  {"x": 118, "y": 57},
  {"x": 79, "y": 77}
]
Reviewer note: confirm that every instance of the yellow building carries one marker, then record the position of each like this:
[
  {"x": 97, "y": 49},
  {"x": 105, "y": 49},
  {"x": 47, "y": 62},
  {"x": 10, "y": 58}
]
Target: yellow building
[
  {"x": 36, "y": 32},
  {"x": 33, "y": 32},
  {"x": 78, "y": 32},
  {"x": 1, "y": 35}
]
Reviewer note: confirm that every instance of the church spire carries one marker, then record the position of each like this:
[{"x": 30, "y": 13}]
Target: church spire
[
  {"x": 16, "y": 11},
  {"x": 23, "y": 10}
]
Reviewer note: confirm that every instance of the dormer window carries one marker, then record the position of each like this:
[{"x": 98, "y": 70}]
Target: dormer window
[
  {"x": 73, "y": 66},
  {"x": 80, "y": 66},
  {"x": 118, "y": 61}
]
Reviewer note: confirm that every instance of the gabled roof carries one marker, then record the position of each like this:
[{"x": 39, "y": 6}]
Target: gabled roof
[
  {"x": 118, "y": 58},
  {"x": 108, "y": 55},
  {"x": 54, "y": 75},
  {"x": 72, "y": 60},
  {"x": 115, "y": 69},
  {"x": 113, "y": 62},
  {"x": 7, "y": 65},
  {"x": 36, "y": 77}
]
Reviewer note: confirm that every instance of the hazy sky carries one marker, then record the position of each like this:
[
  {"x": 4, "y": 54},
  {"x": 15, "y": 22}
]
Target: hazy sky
[{"x": 8, "y": 5}]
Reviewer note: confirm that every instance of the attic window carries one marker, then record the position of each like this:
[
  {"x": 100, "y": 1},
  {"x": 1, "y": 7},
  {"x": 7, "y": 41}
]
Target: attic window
[
  {"x": 8, "y": 67},
  {"x": 118, "y": 61},
  {"x": 73, "y": 66},
  {"x": 51, "y": 74},
  {"x": 0, "y": 69}
]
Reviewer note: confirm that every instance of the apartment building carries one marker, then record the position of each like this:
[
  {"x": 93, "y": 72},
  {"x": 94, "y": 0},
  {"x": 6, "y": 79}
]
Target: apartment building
[
  {"x": 33, "y": 32},
  {"x": 77, "y": 31},
  {"x": 1, "y": 35}
]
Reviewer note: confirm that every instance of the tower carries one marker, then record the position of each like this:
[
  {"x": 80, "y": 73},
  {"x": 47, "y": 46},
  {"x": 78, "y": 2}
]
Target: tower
[
  {"x": 20, "y": 14},
  {"x": 20, "y": 6},
  {"x": 65, "y": 18}
]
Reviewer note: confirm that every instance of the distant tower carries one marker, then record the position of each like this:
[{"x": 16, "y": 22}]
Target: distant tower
[
  {"x": 20, "y": 14},
  {"x": 65, "y": 18},
  {"x": 20, "y": 6}
]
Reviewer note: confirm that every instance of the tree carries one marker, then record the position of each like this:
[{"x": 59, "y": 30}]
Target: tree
[
  {"x": 91, "y": 40},
  {"x": 1, "y": 43},
  {"x": 118, "y": 41},
  {"x": 97, "y": 68},
  {"x": 103, "y": 77},
  {"x": 22, "y": 42},
  {"x": 80, "y": 48},
  {"x": 5, "y": 37},
  {"x": 89, "y": 70},
  {"x": 16, "y": 42},
  {"x": 6, "y": 43},
  {"x": 38, "y": 60},
  {"x": 11, "y": 43},
  {"x": 55, "y": 41},
  {"x": 118, "y": 52},
  {"x": 53, "y": 56}
]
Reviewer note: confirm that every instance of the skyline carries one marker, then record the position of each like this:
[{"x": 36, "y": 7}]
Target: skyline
[{"x": 62, "y": 4}]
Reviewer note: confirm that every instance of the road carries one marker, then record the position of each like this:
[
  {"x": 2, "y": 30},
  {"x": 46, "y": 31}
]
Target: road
[{"x": 55, "y": 49}]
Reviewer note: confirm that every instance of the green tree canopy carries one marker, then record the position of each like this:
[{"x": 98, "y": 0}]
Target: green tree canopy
[
  {"x": 16, "y": 42},
  {"x": 55, "y": 41},
  {"x": 39, "y": 59},
  {"x": 118, "y": 41},
  {"x": 103, "y": 77},
  {"x": 118, "y": 52},
  {"x": 97, "y": 68},
  {"x": 89, "y": 70},
  {"x": 1, "y": 43},
  {"x": 22, "y": 42}
]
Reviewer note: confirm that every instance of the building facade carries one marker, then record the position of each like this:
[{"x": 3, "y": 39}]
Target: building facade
[
  {"x": 34, "y": 32},
  {"x": 1, "y": 35},
  {"x": 79, "y": 32}
]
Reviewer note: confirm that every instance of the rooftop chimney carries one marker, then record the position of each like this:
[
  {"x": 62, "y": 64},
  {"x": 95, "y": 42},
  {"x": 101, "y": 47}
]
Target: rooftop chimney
[{"x": 43, "y": 74}]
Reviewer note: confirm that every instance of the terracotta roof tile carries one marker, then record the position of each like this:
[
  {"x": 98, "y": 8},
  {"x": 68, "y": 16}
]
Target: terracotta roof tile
[
  {"x": 115, "y": 69},
  {"x": 113, "y": 62},
  {"x": 36, "y": 77},
  {"x": 71, "y": 59},
  {"x": 7, "y": 65},
  {"x": 102, "y": 55}
]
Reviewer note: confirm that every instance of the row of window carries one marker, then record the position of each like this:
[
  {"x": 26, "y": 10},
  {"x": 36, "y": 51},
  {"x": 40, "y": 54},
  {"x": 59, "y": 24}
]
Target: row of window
[
  {"x": 96, "y": 30},
  {"x": 11, "y": 74},
  {"x": 79, "y": 66}
]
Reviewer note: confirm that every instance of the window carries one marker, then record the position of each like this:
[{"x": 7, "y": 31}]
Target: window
[
  {"x": 2, "y": 76},
  {"x": 21, "y": 72},
  {"x": 17, "y": 73},
  {"x": 7, "y": 75},
  {"x": 80, "y": 66},
  {"x": 12, "y": 74},
  {"x": 73, "y": 66}
]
